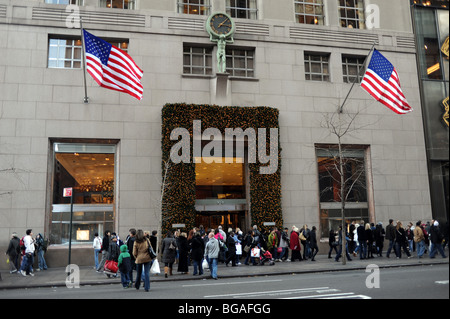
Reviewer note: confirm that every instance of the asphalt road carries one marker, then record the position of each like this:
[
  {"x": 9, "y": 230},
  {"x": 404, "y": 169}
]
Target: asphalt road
[{"x": 419, "y": 282}]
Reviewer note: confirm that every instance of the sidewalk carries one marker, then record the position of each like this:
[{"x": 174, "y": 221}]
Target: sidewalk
[{"x": 56, "y": 277}]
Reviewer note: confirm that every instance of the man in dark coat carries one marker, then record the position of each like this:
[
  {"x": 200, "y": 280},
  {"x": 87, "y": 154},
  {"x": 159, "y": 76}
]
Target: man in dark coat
[
  {"x": 198, "y": 250},
  {"x": 362, "y": 240},
  {"x": 390, "y": 235},
  {"x": 231, "y": 245}
]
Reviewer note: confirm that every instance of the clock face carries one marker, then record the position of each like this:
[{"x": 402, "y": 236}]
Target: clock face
[{"x": 221, "y": 24}]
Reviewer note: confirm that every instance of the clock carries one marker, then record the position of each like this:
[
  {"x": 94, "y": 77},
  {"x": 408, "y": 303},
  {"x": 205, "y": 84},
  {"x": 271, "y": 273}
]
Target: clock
[{"x": 219, "y": 24}]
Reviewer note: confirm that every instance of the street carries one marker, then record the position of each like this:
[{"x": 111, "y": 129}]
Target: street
[{"x": 418, "y": 282}]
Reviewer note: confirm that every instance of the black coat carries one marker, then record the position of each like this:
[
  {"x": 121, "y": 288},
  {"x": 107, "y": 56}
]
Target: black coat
[
  {"x": 183, "y": 251},
  {"x": 361, "y": 233},
  {"x": 198, "y": 248}
]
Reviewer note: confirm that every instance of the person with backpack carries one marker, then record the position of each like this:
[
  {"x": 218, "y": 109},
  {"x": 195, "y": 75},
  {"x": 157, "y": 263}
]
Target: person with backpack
[
  {"x": 41, "y": 244},
  {"x": 13, "y": 253},
  {"x": 28, "y": 258},
  {"x": 124, "y": 264}
]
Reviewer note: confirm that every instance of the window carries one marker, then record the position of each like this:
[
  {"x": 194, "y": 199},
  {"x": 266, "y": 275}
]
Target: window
[
  {"x": 200, "y": 7},
  {"x": 89, "y": 169},
  {"x": 66, "y": 53},
  {"x": 243, "y": 9},
  {"x": 240, "y": 62},
  {"x": 197, "y": 60},
  {"x": 316, "y": 67},
  {"x": 309, "y": 11},
  {"x": 77, "y": 2},
  {"x": 351, "y": 14},
  {"x": 118, "y": 4},
  {"x": 354, "y": 187},
  {"x": 351, "y": 68}
]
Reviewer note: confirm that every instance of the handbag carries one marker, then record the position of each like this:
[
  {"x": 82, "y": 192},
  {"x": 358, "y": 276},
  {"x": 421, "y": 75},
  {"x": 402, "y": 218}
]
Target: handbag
[
  {"x": 205, "y": 264},
  {"x": 151, "y": 252},
  {"x": 155, "y": 267},
  {"x": 111, "y": 266},
  {"x": 247, "y": 248},
  {"x": 302, "y": 237},
  {"x": 238, "y": 249},
  {"x": 279, "y": 249},
  {"x": 172, "y": 246}
]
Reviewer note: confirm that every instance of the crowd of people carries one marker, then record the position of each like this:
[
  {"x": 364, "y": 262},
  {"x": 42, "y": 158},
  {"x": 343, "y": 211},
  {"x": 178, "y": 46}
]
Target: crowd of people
[{"x": 202, "y": 248}]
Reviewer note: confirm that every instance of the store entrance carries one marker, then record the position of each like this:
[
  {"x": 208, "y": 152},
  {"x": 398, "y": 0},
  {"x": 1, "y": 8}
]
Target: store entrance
[{"x": 212, "y": 220}]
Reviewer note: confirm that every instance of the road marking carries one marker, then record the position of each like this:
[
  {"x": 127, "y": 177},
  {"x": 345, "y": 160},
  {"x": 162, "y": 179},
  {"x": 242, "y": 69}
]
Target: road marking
[
  {"x": 443, "y": 282},
  {"x": 343, "y": 295},
  {"x": 272, "y": 292},
  {"x": 232, "y": 283}
]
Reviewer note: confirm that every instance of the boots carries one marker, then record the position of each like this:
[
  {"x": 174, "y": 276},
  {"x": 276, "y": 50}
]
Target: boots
[
  {"x": 166, "y": 270},
  {"x": 170, "y": 271}
]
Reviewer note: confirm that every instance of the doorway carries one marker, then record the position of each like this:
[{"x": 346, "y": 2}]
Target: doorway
[{"x": 233, "y": 219}]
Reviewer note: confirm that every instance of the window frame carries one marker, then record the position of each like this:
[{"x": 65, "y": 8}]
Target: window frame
[
  {"x": 302, "y": 3},
  {"x": 75, "y": 2},
  {"x": 183, "y": 5},
  {"x": 235, "y": 11},
  {"x": 249, "y": 55},
  {"x": 131, "y": 4},
  {"x": 360, "y": 62},
  {"x": 324, "y": 77},
  {"x": 358, "y": 12},
  {"x": 207, "y": 60}
]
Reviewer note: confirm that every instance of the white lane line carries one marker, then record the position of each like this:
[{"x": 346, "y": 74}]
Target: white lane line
[
  {"x": 246, "y": 294},
  {"x": 442, "y": 282},
  {"x": 231, "y": 283},
  {"x": 343, "y": 295}
]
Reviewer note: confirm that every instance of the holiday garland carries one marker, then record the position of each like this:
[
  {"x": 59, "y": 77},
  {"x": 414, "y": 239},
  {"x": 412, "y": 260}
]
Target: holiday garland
[{"x": 178, "y": 203}]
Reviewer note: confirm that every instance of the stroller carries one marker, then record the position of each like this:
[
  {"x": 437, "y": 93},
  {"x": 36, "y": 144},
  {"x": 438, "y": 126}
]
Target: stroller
[{"x": 267, "y": 256}]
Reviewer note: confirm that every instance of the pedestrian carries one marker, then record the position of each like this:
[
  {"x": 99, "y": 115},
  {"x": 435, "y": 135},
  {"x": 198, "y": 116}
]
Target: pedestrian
[
  {"x": 401, "y": 240},
  {"x": 304, "y": 239},
  {"x": 124, "y": 264},
  {"x": 390, "y": 235},
  {"x": 104, "y": 250},
  {"x": 250, "y": 243},
  {"x": 41, "y": 245},
  {"x": 352, "y": 240},
  {"x": 131, "y": 238},
  {"x": 113, "y": 253},
  {"x": 143, "y": 260},
  {"x": 436, "y": 240},
  {"x": 97, "y": 245},
  {"x": 238, "y": 240},
  {"x": 284, "y": 244},
  {"x": 419, "y": 239},
  {"x": 13, "y": 253},
  {"x": 369, "y": 238},
  {"x": 332, "y": 242},
  {"x": 313, "y": 243},
  {"x": 169, "y": 253},
  {"x": 294, "y": 241},
  {"x": 340, "y": 241},
  {"x": 212, "y": 250},
  {"x": 27, "y": 265},
  {"x": 197, "y": 252},
  {"x": 272, "y": 244},
  {"x": 379, "y": 238},
  {"x": 154, "y": 240},
  {"x": 445, "y": 231},
  {"x": 183, "y": 252},
  {"x": 410, "y": 236},
  {"x": 231, "y": 246},
  {"x": 362, "y": 240}
]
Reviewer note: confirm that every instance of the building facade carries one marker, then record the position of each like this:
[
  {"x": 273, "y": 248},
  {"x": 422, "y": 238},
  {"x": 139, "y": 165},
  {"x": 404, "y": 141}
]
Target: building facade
[{"x": 297, "y": 59}]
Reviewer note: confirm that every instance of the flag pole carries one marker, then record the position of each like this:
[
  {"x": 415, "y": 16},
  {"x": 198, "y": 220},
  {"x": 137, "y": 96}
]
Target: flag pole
[
  {"x": 356, "y": 78},
  {"x": 86, "y": 98}
]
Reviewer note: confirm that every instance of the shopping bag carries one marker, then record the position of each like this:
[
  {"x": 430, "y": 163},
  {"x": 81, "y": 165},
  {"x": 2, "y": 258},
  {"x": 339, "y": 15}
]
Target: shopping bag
[
  {"x": 111, "y": 266},
  {"x": 155, "y": 267},
  {"x": 238, "y": 249},
  {"x": 255, "y": 252},
  {"x": 279, "y": 250},
  {"x": 205, "y": 264}
]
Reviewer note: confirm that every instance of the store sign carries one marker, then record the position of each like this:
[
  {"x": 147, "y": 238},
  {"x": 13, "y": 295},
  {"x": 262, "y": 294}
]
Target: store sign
[{"x": 67, "y": 192}]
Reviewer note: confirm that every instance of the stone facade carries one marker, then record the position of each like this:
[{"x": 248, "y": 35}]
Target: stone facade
[{"x": 38, "y": 103}]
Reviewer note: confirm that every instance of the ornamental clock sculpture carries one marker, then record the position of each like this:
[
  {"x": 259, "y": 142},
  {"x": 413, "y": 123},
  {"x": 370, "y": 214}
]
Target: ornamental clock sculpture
[{"x": 221, "y": 27}]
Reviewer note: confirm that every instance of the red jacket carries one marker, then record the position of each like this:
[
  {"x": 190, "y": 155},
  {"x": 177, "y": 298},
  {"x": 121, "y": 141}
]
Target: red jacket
[{"x": 294, "y": 242}]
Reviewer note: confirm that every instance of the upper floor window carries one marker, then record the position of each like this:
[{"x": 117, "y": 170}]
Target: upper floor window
[
  {"x": 199, "y": 7},
  {"x": 243, "y": 9},
  {"x": 197, "y": 60},
  {"x": 76, "y": 2},
  {"x": 309, "y": 11},
  {"x": 351, "y": 67},
  {"x": 118, "y": 4},
  {"x": 317, "y": 67},
  {"x": 66, "y": 52},
  {"x": 241, "y": 62},
  {"x": 351, "y": 14}
]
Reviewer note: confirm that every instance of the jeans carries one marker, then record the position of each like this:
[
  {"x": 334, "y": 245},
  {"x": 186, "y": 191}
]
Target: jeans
[
  {"x": 198, "y": 268},
  {"x": 213, "y": 266},
  {"x": 27, "y": 263},
  {"x": 339, "y": 254},
  {"x": 102, "y": 262},
  {"x": 362, "y": 249},
  {"x": 420, "y": 248},
  {"x": 96, "y": 252},
  {"x": 284, "y": 252},
  {"x": 146, "y": 269},
  {"x": 391, "y": 245},
  {"x": 437, "y": 247},
  {"x": 41, "y": 260},
  {"x": 398, "y": 249},
  {"x": 125, "y": 278}
]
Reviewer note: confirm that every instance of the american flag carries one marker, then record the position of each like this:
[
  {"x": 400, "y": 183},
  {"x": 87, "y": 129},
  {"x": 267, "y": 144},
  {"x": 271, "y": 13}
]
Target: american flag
[
  {"x": 111, "y": 67},
  {"x": 382, "y": 82}
]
